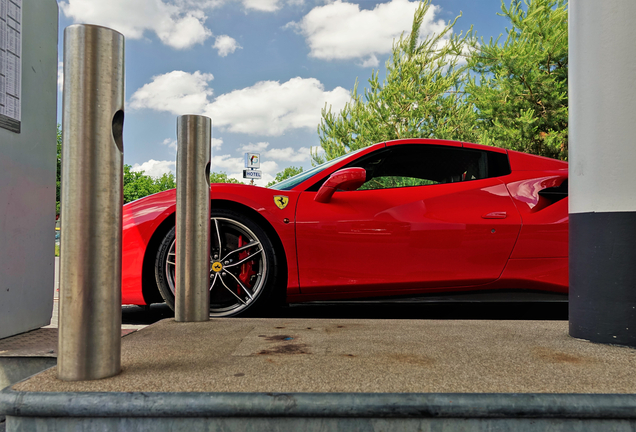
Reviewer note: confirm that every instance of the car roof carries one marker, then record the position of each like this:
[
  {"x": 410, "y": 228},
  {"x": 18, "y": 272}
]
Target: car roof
[
  {"x": 448, "y": 143},
  {"x": 430, "y": 141}
]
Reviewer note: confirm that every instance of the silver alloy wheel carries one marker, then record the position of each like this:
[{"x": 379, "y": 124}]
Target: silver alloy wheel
[{"x": 238, "y": 267}]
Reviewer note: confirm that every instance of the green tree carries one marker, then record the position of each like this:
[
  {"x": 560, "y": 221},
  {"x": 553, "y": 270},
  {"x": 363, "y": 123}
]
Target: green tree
[
  {"x": 285, "y": 174},
  {"x": 165, "y": 182},
  {"x": 519, "y": 88},
  {"x": 137, "y": 184},
  {"x": 420, "y": 97},
  {"x": 221, "y": 177}
]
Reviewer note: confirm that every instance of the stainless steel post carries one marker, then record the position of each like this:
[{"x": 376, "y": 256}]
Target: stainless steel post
[
  {"x": 192, "y": 287},
  {"x": 91, "y": 204}
]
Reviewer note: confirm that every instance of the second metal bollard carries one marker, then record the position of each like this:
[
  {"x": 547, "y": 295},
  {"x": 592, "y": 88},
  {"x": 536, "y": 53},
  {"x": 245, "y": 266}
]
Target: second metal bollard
[{"x": 192, "y": 278}]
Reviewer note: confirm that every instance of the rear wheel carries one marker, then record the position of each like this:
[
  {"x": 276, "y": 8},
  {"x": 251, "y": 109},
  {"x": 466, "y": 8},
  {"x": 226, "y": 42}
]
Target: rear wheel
[{"x": 242, "y": 266}]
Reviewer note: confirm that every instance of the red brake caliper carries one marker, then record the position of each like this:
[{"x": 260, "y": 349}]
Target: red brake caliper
[{"x": 247, "y": 270}]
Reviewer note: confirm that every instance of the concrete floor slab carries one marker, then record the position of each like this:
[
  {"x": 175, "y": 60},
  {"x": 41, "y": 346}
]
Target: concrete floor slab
[{"x": 369, "y": 356}]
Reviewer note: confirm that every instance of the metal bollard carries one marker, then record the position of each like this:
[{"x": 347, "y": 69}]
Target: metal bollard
[
  {"x": 91, "y": 204},
  {"x": 192, "y": 279}
]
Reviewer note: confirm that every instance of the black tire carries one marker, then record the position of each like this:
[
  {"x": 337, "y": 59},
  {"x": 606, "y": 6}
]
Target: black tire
[{"x": 243, "y": 287}]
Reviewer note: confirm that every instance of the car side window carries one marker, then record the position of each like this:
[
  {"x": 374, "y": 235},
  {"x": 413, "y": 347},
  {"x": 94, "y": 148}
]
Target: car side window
[{"x": 422, "y": 165}]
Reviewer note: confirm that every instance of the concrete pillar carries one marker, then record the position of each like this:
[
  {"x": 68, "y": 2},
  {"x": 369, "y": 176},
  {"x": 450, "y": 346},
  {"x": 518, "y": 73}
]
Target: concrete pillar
[
  {"x": 602, "y": 180},
  {"x": 27, "y": 165}
]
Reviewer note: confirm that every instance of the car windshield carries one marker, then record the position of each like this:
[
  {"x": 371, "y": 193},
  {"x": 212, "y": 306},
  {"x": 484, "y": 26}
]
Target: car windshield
[{"x": 294, "y": 181}]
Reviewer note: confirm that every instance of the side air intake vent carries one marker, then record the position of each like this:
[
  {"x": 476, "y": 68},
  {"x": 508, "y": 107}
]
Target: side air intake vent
[{"x": 556, "y": 193}]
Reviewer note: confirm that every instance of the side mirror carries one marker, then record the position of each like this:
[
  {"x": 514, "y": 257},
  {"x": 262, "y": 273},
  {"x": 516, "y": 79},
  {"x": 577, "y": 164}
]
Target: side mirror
[{"x": 345, "y": 179}]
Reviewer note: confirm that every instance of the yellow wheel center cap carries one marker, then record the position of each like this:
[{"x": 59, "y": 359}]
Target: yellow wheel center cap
[{"x": 217, "y": 266}]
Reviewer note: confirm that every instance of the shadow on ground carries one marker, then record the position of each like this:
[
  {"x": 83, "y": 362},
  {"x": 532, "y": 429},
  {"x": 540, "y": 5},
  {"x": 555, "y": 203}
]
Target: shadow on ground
[{"x": 450, "y": 311}]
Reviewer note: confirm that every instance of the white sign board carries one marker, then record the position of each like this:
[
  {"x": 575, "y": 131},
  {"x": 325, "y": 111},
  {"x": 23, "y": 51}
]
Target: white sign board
[
  {"x": 252, "y": 160},
  {"x": 252, "y": 174},
  {"x": 10, "y": 64}
]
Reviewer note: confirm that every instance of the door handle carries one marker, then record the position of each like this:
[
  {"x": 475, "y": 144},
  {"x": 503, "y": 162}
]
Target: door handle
[{"x": 495, "y": 215}]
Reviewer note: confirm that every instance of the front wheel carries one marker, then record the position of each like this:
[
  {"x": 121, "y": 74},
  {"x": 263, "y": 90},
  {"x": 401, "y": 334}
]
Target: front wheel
[{"x": 242, "y": 266}]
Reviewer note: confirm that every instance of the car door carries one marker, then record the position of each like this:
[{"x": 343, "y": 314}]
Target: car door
[{"x": 427, "y": 217}]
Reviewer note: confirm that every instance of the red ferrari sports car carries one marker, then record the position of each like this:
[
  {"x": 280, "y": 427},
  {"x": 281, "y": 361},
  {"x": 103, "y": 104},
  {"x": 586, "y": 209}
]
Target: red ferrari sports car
[{"x": 399, "y": 218}]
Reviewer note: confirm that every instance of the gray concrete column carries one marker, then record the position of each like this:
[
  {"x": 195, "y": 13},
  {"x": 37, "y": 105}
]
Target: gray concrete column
[
  {"x": 27, "y": 168},
  {"x": 602, "y": 150}
]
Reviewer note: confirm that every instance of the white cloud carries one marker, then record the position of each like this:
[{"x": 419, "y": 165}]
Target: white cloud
[
  {"x": 271, "y": 108},
  {"x": 232, "y": 166},
  {"x": 201, "y": 4},
  {"x": 155, "y": 168},
  {"x": 60, "y": 76},
  {"x": 371, "y": 62},
  {"x": 179, "y": 25},
  {"x": 289, "y": 154},
  {"x": 257, "y": 5},
  {"x": 269, "y": 5},
  {"x": 262, "y": 5},
  {"x": 254, "y": 148},
  {"x": 340, "y": 30},
  {"x": 177, "y": 92},
  {"x": 266, "y": 108},
  {"x": 217, "y": 143},
  {"x": 226, "y": 163},
  {"x": 225, "y": 45},
  {"x": 269, "y": 170},
  {"x": 171, "y": 143}
]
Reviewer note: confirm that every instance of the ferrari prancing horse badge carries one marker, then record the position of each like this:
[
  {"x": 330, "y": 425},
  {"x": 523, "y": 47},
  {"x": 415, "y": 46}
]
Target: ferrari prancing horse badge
[{"x": 281, "y": 201}]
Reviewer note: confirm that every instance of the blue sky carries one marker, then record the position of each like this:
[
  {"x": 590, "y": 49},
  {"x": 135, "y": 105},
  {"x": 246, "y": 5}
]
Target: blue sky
[{"x": 261, "y": 69}]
